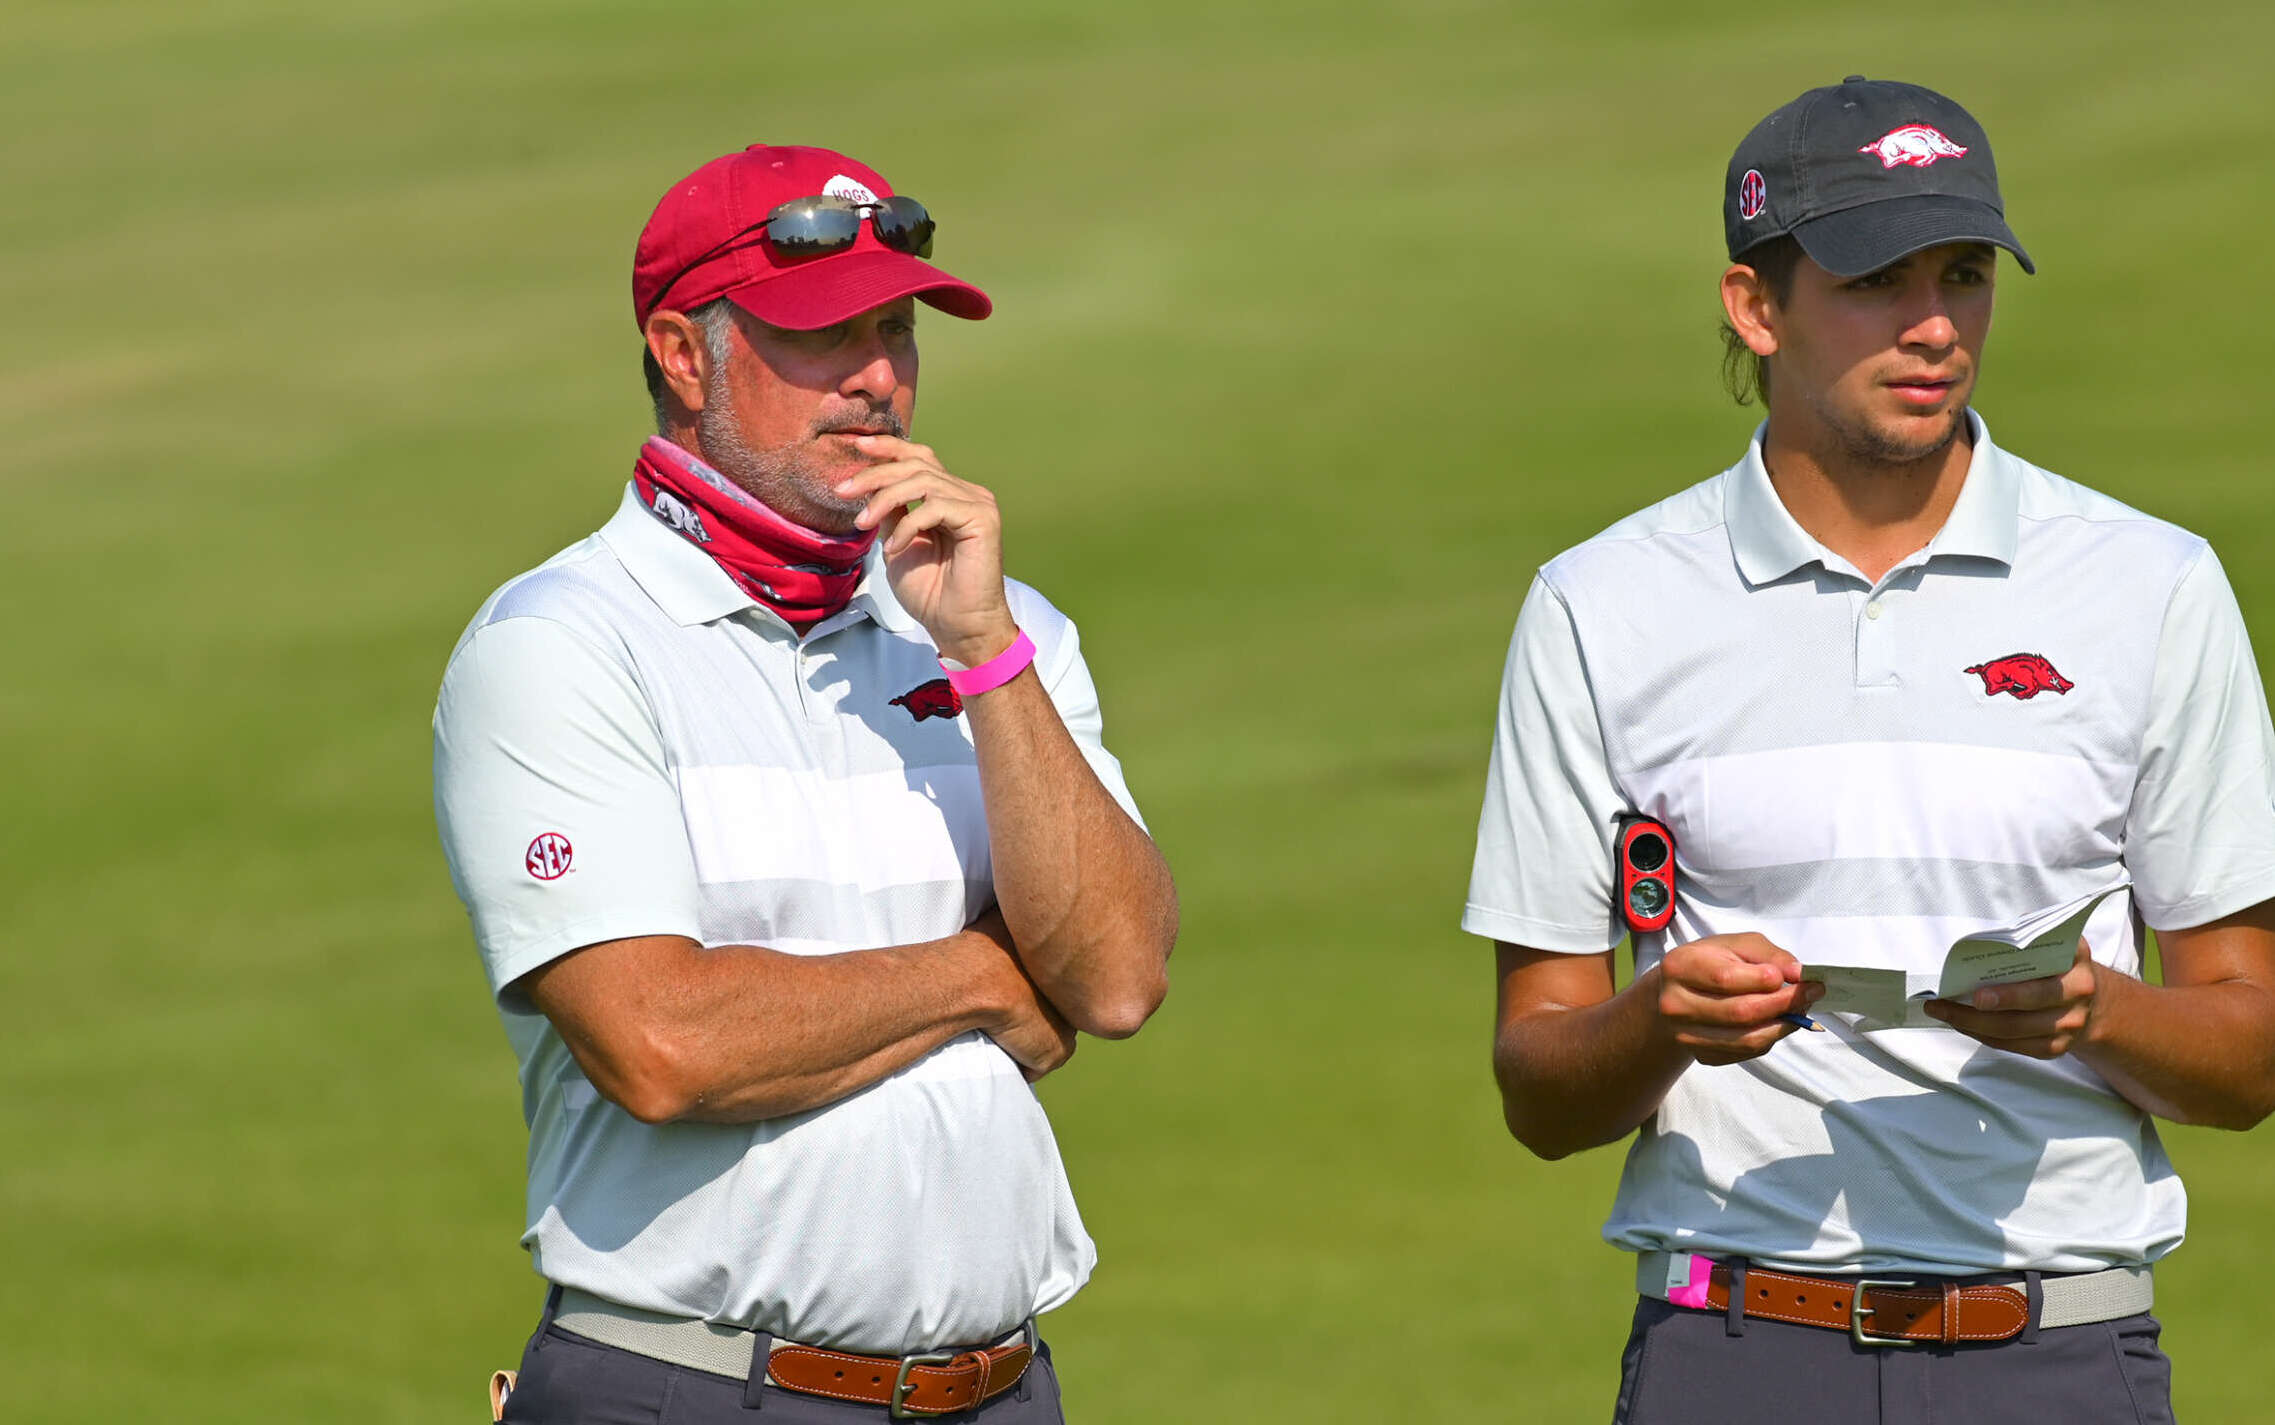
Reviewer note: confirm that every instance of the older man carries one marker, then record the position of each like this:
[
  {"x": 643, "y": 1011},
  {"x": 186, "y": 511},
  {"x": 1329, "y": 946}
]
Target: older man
[
  {"x": 1886, "y": 685},
  {"x": 794, "y": 854}
]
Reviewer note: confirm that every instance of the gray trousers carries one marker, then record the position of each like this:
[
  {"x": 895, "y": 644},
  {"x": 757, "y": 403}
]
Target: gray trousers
[
  {"x": 568, "y": 1380},
  {"x": 1686, "y": 1367}
]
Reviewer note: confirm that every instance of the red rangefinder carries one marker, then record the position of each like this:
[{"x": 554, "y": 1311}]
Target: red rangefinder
[{"x": 1643, "y": 873}]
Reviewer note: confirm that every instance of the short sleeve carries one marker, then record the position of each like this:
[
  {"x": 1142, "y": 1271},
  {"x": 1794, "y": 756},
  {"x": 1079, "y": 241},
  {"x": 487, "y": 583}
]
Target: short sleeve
[
  {"x": 556, "y": 805},
  {"x": 1059, "y": 663},
  {"x": 2200, "y": 834},
  {"x": 1542, "y": 877}
]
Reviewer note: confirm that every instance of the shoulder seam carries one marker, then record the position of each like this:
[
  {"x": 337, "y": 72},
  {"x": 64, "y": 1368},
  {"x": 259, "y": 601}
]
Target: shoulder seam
[
  {"x": 1654, "y": 534},
  {"x": 1587, "y": 674},
  {"x": 1718, "y": 520},
  {"x": 1602, "y": 541},
  {"x": 2130, "y": 516},
  {"x": 549, "y": 566},
  {"x": 566, "y": 627},
  {"x": 2188, "y": 567}
]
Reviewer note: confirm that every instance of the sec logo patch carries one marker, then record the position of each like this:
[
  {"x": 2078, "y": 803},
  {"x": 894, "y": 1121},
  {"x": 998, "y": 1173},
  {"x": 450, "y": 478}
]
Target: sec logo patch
[
  {"x": 1753, "y": 195},
  {"x": 549, "y": 856}
]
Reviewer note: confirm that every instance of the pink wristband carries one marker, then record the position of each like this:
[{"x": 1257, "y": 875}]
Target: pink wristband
[{"x": 995, "y": 672}]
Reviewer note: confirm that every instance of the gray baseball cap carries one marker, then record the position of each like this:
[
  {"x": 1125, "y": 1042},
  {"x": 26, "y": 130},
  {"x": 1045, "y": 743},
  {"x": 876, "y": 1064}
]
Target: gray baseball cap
[{"x": 1864, "y": 173}]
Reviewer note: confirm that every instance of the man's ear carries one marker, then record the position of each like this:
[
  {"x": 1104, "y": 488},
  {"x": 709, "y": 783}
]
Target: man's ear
[
  {"x": 1753, "y": 312},
  {"x": 677, "y": 344}
]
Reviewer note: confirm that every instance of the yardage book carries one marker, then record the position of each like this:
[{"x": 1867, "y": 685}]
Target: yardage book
[{"x": 2039, "y": 945}]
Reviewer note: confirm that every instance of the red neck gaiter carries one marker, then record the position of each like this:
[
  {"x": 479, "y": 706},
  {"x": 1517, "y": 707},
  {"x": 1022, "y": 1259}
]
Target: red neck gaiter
[{"x": 802, "y": 575}]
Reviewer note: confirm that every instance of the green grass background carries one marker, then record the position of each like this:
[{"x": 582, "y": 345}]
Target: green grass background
[{"x": 1319, "y": 327}]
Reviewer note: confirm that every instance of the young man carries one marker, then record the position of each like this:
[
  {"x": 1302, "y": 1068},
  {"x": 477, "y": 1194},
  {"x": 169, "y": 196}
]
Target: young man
[
  {"x": 794, "y": 854},
  {"x": 1886, "y": 684}
]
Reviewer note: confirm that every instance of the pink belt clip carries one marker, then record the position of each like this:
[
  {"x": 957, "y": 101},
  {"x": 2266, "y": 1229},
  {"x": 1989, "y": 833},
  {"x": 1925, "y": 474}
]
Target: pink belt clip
[{"x": 1688, "y": 1275}]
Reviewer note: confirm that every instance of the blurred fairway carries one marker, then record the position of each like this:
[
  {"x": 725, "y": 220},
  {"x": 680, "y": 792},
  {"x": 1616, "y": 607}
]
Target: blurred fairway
[{"x": 1318, "y": 329}]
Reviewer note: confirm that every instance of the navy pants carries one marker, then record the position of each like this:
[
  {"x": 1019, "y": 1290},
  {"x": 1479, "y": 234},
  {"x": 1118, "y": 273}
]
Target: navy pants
[{"x": 1684, "y": 1367}]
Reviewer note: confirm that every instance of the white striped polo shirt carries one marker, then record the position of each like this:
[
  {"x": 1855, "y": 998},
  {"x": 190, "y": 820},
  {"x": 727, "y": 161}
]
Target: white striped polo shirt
[
  {"x": 1848, "y": 769},
  {"x": 626, "y": 744}
]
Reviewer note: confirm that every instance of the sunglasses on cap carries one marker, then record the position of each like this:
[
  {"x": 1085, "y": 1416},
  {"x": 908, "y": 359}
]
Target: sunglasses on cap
[
  {"x": 804, "y": 227},
  {"x": 825, "y": 223}
]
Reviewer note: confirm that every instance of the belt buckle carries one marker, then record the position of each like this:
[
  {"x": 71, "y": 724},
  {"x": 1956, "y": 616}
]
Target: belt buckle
[
  {"x": 897, "y": 1407},
  {"x": 1857, "y": 1311}
]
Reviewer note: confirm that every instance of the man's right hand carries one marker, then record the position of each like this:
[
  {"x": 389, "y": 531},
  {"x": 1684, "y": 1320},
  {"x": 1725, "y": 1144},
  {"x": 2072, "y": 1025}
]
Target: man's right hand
[
  {"x": 1024, "y": 1024},
  {"x": 1720, "y": 998}
]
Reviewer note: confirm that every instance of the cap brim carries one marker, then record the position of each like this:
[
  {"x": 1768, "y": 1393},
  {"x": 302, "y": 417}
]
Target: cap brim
[
  {"x": 1871, "y": 236},
  {"x": 826, "y": 291}
]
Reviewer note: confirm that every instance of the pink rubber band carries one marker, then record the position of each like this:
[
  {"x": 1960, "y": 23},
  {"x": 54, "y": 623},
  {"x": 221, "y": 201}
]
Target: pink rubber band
[{"x": 995, "y": 672}]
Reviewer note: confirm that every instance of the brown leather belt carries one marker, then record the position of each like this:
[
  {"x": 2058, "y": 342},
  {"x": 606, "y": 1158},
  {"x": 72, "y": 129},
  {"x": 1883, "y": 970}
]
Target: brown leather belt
[
  {"x": 909, "y": 1387},
  {"x": 1878, "y": 1311},
  {"x": 1874, "y": 1311}
]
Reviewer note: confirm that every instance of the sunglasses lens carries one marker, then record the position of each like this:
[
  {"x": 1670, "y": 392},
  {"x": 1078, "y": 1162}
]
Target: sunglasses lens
[
  {"x": 804, "y": 227},
  {"x": 904, "y": 226}
]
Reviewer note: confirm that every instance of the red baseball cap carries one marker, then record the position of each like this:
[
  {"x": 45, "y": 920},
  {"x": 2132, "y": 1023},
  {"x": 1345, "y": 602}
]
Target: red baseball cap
[{"x": 703, "y": 243}]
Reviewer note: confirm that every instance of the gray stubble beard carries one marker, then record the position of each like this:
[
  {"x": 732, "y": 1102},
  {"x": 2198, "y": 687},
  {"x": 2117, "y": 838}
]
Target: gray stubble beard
[{"x": 783, "y": 478}]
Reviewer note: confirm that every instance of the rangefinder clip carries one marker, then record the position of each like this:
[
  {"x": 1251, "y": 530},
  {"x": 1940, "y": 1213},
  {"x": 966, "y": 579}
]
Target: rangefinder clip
[{"x": 1643, "y": 873}]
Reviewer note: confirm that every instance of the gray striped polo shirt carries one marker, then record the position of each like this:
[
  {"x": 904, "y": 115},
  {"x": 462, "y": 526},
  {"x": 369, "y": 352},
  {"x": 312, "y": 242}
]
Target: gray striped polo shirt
[
  {"x": 626, "y": 744},
  {"x": 1850, "y": 769}
]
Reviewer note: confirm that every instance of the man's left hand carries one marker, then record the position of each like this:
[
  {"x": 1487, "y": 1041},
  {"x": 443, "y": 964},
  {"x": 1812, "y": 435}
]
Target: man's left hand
[
  {"x": 944, "y": 556},
  {"x": 2043, "y": 1019}
]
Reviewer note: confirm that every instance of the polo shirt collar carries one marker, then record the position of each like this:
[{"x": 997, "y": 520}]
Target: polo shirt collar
[
  {"x": 691, "y": 588},
  {"x": 687, "y": 584},
  {"x": 1986, "y": 521},
  {"x": 1770, "y": 544},
  {"x": 1768, "y": 541}
]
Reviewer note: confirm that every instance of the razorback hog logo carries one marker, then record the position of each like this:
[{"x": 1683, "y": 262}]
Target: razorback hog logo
[
  {"x": 933, "y": 699},
  {"x": 1916, "y": 144},
  {"x": 674, "y": 511},
  {"x": 2025, "y": 675}
]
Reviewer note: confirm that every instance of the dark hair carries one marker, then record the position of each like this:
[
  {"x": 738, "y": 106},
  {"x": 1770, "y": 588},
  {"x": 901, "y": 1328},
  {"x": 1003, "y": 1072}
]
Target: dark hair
[{"x": 1744, "y": 374}]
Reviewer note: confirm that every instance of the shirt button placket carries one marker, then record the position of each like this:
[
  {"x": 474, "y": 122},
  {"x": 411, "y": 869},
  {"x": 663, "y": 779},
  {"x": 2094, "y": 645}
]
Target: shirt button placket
[
  {"x": 810, "y": 699},
  {"x": 793, "y": 656},
  {"x": 1876, "y": 642}
]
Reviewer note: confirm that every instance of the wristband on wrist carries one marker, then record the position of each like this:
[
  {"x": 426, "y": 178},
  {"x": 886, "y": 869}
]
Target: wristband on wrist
[{"x": 995, "y": 672}]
